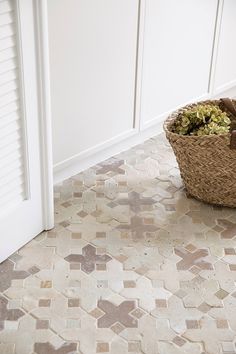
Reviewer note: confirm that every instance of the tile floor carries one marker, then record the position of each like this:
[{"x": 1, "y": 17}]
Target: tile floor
[{"x": 132, "y": 266}]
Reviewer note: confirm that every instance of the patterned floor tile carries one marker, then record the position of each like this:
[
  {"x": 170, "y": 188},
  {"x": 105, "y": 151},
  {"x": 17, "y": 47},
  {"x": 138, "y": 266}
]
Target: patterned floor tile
[{"x": 132, "y": 266}]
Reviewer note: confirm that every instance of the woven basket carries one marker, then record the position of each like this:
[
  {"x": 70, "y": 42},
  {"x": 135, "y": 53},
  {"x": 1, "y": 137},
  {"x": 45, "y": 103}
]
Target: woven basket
[{"x": 207, "y": 163}]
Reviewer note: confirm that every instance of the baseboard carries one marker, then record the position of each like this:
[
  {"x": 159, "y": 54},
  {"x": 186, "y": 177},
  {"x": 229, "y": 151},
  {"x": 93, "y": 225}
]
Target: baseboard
[
  {"x": 122, "y": 142},
  {"x": 227, "y": 88},
  {"x": 226, "y": 91},
  {"x": 101, "y": 152},
  {"x": 229, "y": 92},
  {"x": 152, "y": 122}
]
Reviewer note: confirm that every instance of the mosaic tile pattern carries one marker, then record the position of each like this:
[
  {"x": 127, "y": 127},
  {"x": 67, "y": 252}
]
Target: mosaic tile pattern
[{"x": 132, "y": 266}]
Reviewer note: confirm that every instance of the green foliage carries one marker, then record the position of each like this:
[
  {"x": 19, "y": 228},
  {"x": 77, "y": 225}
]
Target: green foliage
[{"x": 202, "y": 120}]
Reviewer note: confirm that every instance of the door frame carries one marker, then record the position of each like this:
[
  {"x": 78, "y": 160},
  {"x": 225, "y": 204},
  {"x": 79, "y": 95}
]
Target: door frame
[{"x": 44, "y": 99}]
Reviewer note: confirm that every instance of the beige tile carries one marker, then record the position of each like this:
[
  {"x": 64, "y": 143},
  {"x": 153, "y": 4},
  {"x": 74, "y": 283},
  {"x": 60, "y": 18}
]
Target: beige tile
[{"x": 132, "y": 266}]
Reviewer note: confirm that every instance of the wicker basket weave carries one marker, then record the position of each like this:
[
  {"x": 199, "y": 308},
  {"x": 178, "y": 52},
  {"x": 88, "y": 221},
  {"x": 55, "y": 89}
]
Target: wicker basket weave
[{"x": 207, "y": 163}]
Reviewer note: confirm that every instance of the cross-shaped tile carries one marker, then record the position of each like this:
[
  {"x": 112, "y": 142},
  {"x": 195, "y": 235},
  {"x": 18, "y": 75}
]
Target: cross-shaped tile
[
  {"x": 7, "y": 274},
  {"x": 111, "y": 165},
  {"x": 189, "y": 259},
  {"x": 230, "y": 228},
  {"x": 223, "y": 275},
  {"x": 114, "y": 314},
  {"x": 8, "y": 314},
  {"x": 145, "y": 293},
  {"x": 137, "y": 227},
  {"x": 116, "y": 275},
  {"x": 177, "y": 314},
  {"x": 43, "y": 348},
  {"x": 210, "y": 335},
  {"x": 88, "y": 259},
  {"x": 135, "y": 201}
]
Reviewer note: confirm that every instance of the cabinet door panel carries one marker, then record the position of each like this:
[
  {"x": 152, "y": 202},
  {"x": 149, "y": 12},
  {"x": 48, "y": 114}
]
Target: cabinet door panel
[{"x": 178, "y": 44}]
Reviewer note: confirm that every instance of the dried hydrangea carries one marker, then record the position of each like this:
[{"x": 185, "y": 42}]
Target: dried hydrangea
[{"x": 202, "y": 120}]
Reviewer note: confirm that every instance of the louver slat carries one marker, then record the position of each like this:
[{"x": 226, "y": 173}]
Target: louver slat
[{"x": 12, "y": 178}]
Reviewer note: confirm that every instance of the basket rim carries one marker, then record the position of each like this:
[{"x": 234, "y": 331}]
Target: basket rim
[{"x": 173, "y": 116}]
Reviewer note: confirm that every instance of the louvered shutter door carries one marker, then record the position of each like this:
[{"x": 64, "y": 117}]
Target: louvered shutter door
[
  {"x": 21, "y": 203},
  {"x": 12, "y": 169}
]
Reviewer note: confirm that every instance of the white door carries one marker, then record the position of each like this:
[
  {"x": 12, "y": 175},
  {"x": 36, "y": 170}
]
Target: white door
[{"x": 21, "y": 202}]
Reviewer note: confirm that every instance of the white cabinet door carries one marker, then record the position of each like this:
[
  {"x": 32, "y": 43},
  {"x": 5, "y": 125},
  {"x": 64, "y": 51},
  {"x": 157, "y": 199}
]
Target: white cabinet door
[
  {"x": 225, "y": 76},
  {"x": 21, "y": 216},
  {"x": 178, "y": 41}
]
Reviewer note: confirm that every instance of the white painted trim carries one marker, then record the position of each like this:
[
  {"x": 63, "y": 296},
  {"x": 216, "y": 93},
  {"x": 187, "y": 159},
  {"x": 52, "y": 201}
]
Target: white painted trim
[
  {"x": 229, "y": 92},
  {"x": 70, "y": 166},
  {"x": 41, "y": 23},
  {"x": 230, "y": 85},
  {"x": 114, "y": 146},
  {"x": 139, "y": 63},
  {"x": 162, "y": 116},
  {"x": 101, "y": 152},
  {"x": 215, "y": 47},
  {"x": 226, "y": 91},
  {"x": 141, "y": 131}
]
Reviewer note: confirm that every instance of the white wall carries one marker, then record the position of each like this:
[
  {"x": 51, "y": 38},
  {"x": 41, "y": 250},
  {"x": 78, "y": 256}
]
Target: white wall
[
  {"x": 92, "y": 55},
  {"x": 178, "y": 41},
  {"x": 225, "y": 76},
  {"x": 119, "y": 66}
]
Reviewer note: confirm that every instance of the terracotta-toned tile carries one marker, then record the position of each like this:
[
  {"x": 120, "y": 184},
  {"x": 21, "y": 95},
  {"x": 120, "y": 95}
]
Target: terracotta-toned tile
[
  {"x": 76, "y": 235},
  {"x": 43, "y": 348},
  {"x": 33, "y": 270},
  {"x": 230, "y": 228},
  {"x": 134, "y": 347},
  {"x": 190, "y": 259},
  {"x": 64, "y": 223},
  {"x": 8, "y": 274},
  {"x": 88, "y": 259},
  {"x": 101, "y": 267},
  {"x": 132, "y": 266},
  {"x": 190, "y": 247},
  {"x": 222, "y": 324},
  {"x": 102, "y": 348},
  {"x": 230, "y": 251},
  {"x": 77, "y": 195},
  {"x": 221, "y": 294},
  {"x": 42, "y": 324},
  {"x": 75, "y": 266},
  {"x": 8, "y": 314},
  {"x": 161, "y": 303},
  {"x": 66, "y": 204},
  {"x": 100, "y": 234},
  {"x": 44, "y": 303},
  {"x": 232, "y": 267},
  {"x": 82, "y": 214},
  {"x": 117, "y": 328},
  {"x": 111, "y": 166},
  {"x": 192, "y": 324},
  {"x": 46, "y": 284},
  {"x": 138, "y": 313},
  {"x": 179, "y": 341},
  {"x": 73, "y": 302},
  {"x": 116, "y": 314},
  {"x": 96, "y": 313},
  {"x": 129, "y": 284}
]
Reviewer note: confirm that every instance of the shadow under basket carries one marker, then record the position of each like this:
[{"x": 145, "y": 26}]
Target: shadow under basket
[{"x": 207, "y": 163}]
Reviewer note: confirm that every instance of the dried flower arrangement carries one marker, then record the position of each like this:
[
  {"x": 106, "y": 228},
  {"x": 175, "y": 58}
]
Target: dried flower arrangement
[{"x": 202, "y": 119}]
